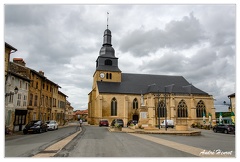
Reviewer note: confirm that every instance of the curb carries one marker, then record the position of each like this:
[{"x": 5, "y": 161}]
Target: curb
[
  {"x": 181, "y": 133},
  {"x": 52, "y": 150}
]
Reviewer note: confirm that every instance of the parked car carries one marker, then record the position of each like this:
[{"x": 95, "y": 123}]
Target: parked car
[
  {"x": 35, "y": 126},
  {"x": 103, "y": 122},
  {"x": 225, "y": 128},
  {"x": 117, "y": 121},
  {"x": 170, "y": 123},
  {"x": 52, "y": 125},
  {"x": 134, "y": 122}
]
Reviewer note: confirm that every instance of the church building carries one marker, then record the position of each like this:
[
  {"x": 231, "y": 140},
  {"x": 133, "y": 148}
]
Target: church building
[{"x": 148, "y": 98}]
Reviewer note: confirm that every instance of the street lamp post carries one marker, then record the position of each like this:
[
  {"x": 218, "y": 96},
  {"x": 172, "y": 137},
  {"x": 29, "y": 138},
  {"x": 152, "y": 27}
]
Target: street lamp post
[
  {"x": 229, "y": 105},
  {"x": 165, "y": 107},
  {"x": 158, "y": 107},
  {"x": 158, "y": 112},
  {"x": 165, "y": 92},
  {"x": 12, "y": 93}
]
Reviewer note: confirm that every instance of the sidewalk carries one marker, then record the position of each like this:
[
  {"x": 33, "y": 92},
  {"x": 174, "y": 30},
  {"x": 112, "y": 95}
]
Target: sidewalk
[
  {"x": 172, "y": 131},
  {"x": 7, "y": 136}
]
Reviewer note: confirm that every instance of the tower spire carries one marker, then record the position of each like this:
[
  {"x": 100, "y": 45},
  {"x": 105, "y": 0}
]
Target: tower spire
[{"x": 107, "y": 19}]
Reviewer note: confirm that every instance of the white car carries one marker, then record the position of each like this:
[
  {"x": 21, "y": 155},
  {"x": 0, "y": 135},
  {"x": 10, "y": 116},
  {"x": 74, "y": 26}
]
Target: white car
[
  {"x": 169, "y": 123},
  {"x": 52, "y": 125}
]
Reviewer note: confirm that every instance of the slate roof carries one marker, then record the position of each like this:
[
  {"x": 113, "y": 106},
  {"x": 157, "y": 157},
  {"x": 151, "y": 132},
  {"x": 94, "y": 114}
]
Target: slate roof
[
  {"x": 108, "y": 68},
  {"x": 146, "y": 83},
  {"x": 231, "y": 95},
  {"x": 9, "y": 46},
  {"x": 19, "y": 76},
  {"x": 80, "y": 112}
]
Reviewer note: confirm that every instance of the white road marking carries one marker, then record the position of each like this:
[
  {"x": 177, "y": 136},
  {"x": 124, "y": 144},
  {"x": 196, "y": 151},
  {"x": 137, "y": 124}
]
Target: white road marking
[
  {"x": 55, "y": 148},
  {"x": 178, "y": 146}
]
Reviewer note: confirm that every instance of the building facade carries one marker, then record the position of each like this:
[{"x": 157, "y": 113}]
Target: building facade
[
  {"x": 69, "y": 112},
  {"x": 8, "y": 50},
  {"x": 37, "y": 97},
  {"x": 81, "y": 114},
  {"x": 147, "y": 98},
  {"x": 16, "y": 102},
  {"x": 232, "y": 103},
  {"x": 60, "y": 115}
]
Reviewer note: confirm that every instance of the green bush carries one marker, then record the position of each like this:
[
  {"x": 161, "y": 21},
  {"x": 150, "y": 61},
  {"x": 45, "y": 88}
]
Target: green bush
[
  {"x": 194, "y": 125},
  {"x": 117, "y": 125}
]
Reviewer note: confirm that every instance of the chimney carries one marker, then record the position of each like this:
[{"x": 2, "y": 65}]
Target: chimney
[
  {"x": 19, "y": 61},
  {"x": 41, "y": 72}
]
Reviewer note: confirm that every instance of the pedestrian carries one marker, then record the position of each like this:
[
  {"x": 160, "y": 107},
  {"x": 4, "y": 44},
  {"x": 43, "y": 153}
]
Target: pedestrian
[{"x": 80, "y": 122}]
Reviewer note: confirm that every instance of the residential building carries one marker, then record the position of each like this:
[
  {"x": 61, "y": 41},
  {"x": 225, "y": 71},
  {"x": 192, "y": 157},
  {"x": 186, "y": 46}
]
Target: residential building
[
  {"x": 81, "y": 114},
  {"x": 43, "y": 94},
  {"x": 48, "y": 98},
  {"x": 16, "y": 102},
  {"x": 61, "y": 108},
  {"x": 8, "y": 50},
  {"x": 69, "y": 112},
  {"x": 232, "y": 103},
  {"x": 55, "y": 108}
]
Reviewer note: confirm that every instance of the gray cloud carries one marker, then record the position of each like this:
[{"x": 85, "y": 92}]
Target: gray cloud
[
  {"x": 177, "y": 35},
  {"x": 194, "y": 41},
  {"x": 27, "y": 15}
]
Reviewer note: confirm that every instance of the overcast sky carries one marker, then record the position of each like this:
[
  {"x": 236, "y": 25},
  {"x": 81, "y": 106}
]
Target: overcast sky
[{"x": 197, "y": 42}]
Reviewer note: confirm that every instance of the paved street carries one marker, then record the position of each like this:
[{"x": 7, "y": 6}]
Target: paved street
[
  {"x": 28, "y": 145},
  {"x": 94, "y": 141},
  {"x": 99, "y": 142},
  {"x": 207, "y": 141}
]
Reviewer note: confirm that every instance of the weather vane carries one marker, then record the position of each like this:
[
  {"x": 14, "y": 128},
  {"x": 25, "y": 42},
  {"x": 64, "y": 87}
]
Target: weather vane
[{"x": 107, "y": 19}]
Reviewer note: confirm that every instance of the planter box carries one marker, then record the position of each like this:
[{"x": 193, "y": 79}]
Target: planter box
[
  {"x": 181, "y": 127},
  {"x": 117, "y": 129},
  {"x": 132, "y": 127}
]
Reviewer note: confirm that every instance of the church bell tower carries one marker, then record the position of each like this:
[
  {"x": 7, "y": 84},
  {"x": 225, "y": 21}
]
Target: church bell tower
[{"x": 107, "y": 64}]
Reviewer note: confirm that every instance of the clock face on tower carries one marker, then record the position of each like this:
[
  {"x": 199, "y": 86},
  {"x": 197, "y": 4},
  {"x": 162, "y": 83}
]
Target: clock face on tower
[{"x": 102, "y": 75}]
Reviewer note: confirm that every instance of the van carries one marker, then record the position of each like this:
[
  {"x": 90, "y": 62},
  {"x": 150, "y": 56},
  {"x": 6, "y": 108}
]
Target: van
[{"x": 170, "y": 123}]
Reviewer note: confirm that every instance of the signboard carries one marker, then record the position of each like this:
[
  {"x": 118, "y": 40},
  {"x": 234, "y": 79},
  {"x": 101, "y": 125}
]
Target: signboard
[{"x": 143, "y": 115}]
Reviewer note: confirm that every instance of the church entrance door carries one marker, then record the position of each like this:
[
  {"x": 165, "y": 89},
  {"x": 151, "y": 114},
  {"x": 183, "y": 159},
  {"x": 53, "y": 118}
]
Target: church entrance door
[{"x": 135, "y": 117}]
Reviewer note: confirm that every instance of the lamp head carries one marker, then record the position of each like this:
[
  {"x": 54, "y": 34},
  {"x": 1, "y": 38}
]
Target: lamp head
[{"x": 16, "y": 90}]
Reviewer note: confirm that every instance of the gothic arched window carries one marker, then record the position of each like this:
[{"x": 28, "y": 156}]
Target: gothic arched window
[
  {"x": 182, "y": 109},
  {"x": 108, "y": 62},
  {"x": 114, "y": 107},
  {"x": 161, "y": 109},
  {"x": 200, "y": 109},
  {"x": 135, "y": 104}
]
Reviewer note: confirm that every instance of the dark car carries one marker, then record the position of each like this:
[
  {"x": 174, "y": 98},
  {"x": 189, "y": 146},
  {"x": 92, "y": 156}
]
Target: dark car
[
  {"x": 134, "y": 122},
  {"x": 103, "y": 122},
  {"x": 117, "y": 121},
  {"x": 225, "y": 128},
  {"x": 35, "y": 126}
]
